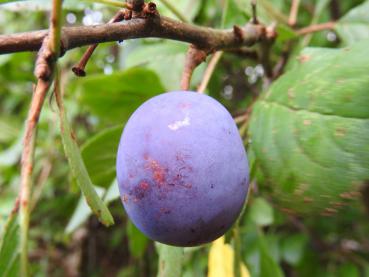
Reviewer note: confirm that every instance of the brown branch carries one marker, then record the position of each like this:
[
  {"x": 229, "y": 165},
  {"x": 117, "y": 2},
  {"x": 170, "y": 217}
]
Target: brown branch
[
  {"x": 316, "y": 28},
  {"x": 48, "y": 54},
  {"x": 159, "y": 27}
]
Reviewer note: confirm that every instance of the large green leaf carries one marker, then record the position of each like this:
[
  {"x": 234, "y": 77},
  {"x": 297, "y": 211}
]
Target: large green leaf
[
  {"x": 115, "y": 97},
  {"x": 310, "y": 130},
  {"x": 82, "y": 212},
  {"x": 354, "y": 25},
  {"x": 99, "y": 154},
  {"x": 80, "y": 172}
]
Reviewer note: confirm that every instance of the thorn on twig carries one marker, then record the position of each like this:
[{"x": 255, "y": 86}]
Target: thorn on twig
[
  {"x": 238, "y": 33},
  {"x": 195, "y": 56},
  {"x": 254, "y": 12}
]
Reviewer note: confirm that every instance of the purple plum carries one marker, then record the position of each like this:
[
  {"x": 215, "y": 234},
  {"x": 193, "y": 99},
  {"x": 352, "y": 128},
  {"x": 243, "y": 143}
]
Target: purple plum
[{"x": 182, "y": 169}]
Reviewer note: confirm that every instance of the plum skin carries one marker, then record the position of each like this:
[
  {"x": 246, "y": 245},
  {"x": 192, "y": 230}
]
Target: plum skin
[{"x": 182, "y": 169}]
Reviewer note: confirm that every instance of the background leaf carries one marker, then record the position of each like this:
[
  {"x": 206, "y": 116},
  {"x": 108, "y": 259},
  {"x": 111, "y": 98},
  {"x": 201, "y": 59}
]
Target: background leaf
[
  {"x": 99, "y": 154},
  {"x": 354, "y": 26},
  {"x": 115, "y": 97},
  {"x": 309, "y": 131},
  {"x": 9, "y": 253},
  {"x": 261, "y": 212}
]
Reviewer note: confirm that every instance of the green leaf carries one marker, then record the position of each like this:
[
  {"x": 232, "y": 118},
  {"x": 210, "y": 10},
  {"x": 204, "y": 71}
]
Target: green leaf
[
  {"x": 9, "y": 253},
  {"x": 261, "y": 212},
  {"x": 11, "y": 155},
  {"x": 354, "y": 25},
  {"x": 80, "y": 172},
  {"x": 185, "y": 7},
  {"x": 115, "y": 97},
  {"x": 170, "y": 260},
  {"x": 136, "y": 240},
  {"x": 82, "y": 211},
  {"x": 99, "y": 154},
  {"x": 348, "y": 270},
  {"x": 268, "y": 266},
  {"x": 9, "y": 129},
  {"x": 310, "y": 130},
  {"x": 293, "y": 248},
  {"x": 159, "y": 57}
]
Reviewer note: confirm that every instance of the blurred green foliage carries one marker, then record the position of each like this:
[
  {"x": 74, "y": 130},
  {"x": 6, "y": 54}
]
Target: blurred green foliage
[{"x": 67, "y": 241}]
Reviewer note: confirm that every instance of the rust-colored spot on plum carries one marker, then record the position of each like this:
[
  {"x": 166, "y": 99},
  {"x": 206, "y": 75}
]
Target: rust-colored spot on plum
[
  {"x": 146, "y": 156},
  {"x": 124, "y": 198},
  {"x": 187, "y": 186},
  {"x": 158, "y": 171},
  {"x": 184, "y": 105},
  {"x": 164, "y": 211},
  {"x": 144, "y": 185}
]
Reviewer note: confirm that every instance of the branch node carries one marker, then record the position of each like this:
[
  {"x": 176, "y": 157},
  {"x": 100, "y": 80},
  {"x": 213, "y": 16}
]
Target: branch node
[
  {"x": 150, "y": 9},
  {"x": 45, "y": 59},
  {"x": 271, "y": 32}
]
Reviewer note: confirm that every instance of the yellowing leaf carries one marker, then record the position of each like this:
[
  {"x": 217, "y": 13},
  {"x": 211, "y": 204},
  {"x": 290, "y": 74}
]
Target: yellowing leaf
[{"x": 221, "y": 259}]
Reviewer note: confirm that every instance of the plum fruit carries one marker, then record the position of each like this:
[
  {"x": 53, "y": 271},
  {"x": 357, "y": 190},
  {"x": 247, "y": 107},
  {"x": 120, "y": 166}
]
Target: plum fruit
[{"x": 182, "y": 169}]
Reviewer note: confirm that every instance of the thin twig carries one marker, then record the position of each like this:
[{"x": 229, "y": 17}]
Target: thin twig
[
  {"x": 209, "y": 71},
  {"x": 44, "y": 69},
  {"x": 254, "y": 12},
  {"x": 159, "y": 27},
  {"x": 293, "y": 12},
  {"x": 194, "y": 57},
  {"x": 316, "y": 28},
  {"x": 79, "y": 69}
]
